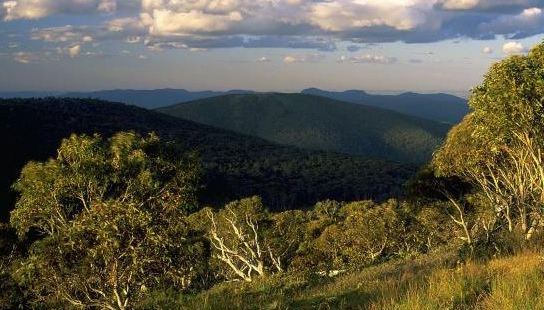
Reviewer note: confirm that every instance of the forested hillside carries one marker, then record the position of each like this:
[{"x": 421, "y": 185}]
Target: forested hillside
[
  {"x": 437, "y": 107},
  {"x": 235, "y": 165},
  {"x": 319, "y": 123}
]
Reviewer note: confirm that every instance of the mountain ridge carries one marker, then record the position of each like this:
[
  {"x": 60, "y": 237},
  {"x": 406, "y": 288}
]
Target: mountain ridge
[
  {"x": 320, "y": 123},
  {"x": 440, "y": 107}
]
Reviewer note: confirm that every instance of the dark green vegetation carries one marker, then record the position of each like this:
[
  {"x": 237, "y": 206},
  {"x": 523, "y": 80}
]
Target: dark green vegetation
[
  {"x": 319, "y": 123},
  {"x": 437, "y": 107},
  {"x": 235, "y": 165},
  {"x": 116, "y": 223}
]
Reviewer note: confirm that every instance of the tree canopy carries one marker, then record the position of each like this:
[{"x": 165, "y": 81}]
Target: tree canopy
[
  {"x": 109, "y": 219},
  {"x": 509, "y": 102}
]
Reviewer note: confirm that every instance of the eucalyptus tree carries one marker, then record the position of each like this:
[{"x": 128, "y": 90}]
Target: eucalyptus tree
[
  {"x": 499, "y": 145},
  {"x": 108, "y": 217}
]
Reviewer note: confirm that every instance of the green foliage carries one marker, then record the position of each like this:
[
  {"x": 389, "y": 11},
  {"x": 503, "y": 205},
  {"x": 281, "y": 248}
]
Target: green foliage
[
  {"x": 365, "y": 234},
  {"x": 508, "y": 102},
  {"x": 498, "y": 149},
  {"x": 110, "y": 215},
  {"x": 320, "y": 123}
]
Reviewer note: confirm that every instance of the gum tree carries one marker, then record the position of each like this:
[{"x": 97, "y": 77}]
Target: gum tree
[{"x": 108, "y": 217}]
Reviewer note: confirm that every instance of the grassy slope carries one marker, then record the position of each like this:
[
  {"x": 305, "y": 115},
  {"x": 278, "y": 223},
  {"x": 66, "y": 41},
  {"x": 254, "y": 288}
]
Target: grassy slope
[
  {"x": 236, "y": 165},
  {"x": 319, "y": 123},
  {"x": 431, "y": 282}
]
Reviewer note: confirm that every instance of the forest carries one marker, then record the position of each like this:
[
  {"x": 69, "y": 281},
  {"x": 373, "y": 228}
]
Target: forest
[{"x": 118, "y": 219}]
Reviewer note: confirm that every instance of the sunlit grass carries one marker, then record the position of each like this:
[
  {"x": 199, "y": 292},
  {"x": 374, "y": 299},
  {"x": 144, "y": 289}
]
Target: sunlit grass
[{"x": 433, "y": 282}]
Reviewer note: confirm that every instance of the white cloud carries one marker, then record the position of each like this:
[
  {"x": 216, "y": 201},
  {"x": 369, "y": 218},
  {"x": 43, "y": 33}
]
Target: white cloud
[
  {"x": 484, "y": 4},
  {"x": 368, "y": 58},
  {"x": 512, "y": 48},
  {"x": 347, "y": 15},
  {"x": 74, "y": 51},
  {"x": 529, "y": 21},
  {"x": 460, "y": 4},
  {"x": 487, "y": 50},
  {"x": 291, "y": 59},
  {"x": 61, "y": 34},
  {"x": 35, "y": 9},
  {"x": 315, "y": 24},
  {"x": 133, "y": 39},
  {"x": 166, "y": 22},
  {"x": 25, "y": 57}
]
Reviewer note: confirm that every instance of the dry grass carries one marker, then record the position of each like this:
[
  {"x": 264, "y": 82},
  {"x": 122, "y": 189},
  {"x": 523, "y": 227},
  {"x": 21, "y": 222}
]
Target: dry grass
[{"x": 432, "y": 282}]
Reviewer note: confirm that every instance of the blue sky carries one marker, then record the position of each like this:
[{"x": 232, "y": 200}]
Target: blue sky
[{"x": 279, "y": 45}]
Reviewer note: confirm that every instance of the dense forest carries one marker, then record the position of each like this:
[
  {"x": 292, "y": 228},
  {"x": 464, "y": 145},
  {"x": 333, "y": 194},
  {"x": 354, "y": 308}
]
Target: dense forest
[
  {"x": 235, "y": 166},
  {"x": 116, "y": 221},
  {"x": 320, "y": 123}
]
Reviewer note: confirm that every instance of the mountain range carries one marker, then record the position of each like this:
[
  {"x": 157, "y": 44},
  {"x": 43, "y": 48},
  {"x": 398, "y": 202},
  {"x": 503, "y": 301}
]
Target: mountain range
[
  {"x": 438, "y": 107},
  {"x": 319, "y": 123}
]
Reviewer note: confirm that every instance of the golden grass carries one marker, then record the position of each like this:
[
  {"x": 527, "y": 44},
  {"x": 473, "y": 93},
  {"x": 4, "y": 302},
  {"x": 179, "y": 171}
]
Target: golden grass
[{"x": 432, "y": 282}]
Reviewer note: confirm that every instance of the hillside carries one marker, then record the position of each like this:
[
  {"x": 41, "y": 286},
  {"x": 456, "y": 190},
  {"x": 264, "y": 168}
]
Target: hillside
[
  {"x": 319, "y": 123},
  {"x": 236, "y": 165},
  {"x": 437, "y": 107}
]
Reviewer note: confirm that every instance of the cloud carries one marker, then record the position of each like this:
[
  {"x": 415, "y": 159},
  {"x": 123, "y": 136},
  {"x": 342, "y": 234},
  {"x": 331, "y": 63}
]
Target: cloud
[
  {"x": 263, "y": 59},
  {"x": 487, "y": 50},
  {"x": 512, "y": 48},
  {"x": 35, "y": 9},
  {"x": 302, "y": 58},
  {"x": 486, "y": 5},
  {"x": 25, "y": 57},
  {"x": 74, "y": 51},
  {"x": 529, "y": 22},
  {"x": 314, "y": 24},
  {"x": 368, "y": 58},
  {"x": 350, "y": 15}
]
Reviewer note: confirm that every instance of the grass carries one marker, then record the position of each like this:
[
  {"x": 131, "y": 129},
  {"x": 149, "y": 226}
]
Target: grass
[{"x": 432, "y": 282}]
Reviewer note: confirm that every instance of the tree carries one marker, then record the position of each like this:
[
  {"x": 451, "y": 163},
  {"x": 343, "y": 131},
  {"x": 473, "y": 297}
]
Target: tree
[
  {"x": 509, "y": 102},
  {"x": 108, "y": 217},
  {"x": 366, "y": 233},
  {"x": 499, "y": 146},
  {"x": 237, "y": 235}
]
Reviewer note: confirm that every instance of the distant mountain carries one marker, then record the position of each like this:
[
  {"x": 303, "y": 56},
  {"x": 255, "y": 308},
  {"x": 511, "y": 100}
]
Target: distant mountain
[
  {"x": 151, "y": 99},
  {"x": 320, "y": 123},
  {"x": 28, "y": 94},
  {"x": 235, "y": 165},
  {"x": 437, "y": 107}
]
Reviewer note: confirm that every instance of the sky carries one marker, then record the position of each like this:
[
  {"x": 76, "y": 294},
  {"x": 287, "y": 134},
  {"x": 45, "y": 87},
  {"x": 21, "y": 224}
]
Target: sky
[{"x": 265, "y": 45}]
